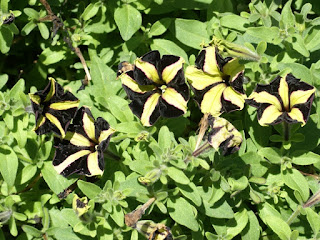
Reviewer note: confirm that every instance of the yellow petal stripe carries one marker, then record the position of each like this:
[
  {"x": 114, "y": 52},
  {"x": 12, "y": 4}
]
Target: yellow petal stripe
[
  {"x": 35, "y": 98},
  {"x": 40, "y": 122},
  {"x": 133, "y": 85},
  {"x": 77, "y": 139},
  {"x": 210, "y": 62},
  {"x": 265, "y": 97},
  {"x": 56, "y": 122},
  {"x": 93, "y": 164},
  {"x": 148, "y": 108},
  {"x": 171, "y": 71},
  {"x": 269, "y": 115},
  {"x": 105, "y": 134},
  {"x": 298, "y": 97},
  {"x": 284, "y": 92},
  {"x": 70, "y": 159},
  {"x": 296, "y": 114},
  {"x": 235, "y": 98},
  {"x": 149, "y": 70},
  {"x": 88, "y": 125},
  {"x": 199, "y": 79},
  {"x": 52, "y": 89},
  {"x": 175, "y": 99},
  {"x": 211, "y": 102},
  {"x": 233, "y": 67},
  {"x": 64, "y": 105}
]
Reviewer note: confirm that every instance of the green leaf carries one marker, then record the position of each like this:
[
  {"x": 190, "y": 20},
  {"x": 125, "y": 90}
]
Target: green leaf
[
  {"x": 167, "y": 47},
  {"x": 128, "y": 20},
  {"x": 4, "y": 6},
  {"x": 252, "y": 230},
  {"x": 89, "y": 189},
  {"x": 236, "y": 225},
  {"x": 313, "y": 219},
  {"x": 56, "y": 182},
  {"x": 90, "y": 11},
  {"x": 271, "y": 153},
  {"x": 192, "y": 33},
  {"x": 27, "y": 173},
  {"x": 8, "y": 164},
  {"x": 190, "y": 191},
  {"x": 117, "y": 215},
  {"x": 299, "y": 46},
  {"x": 287, "y": 17},
  {"x": 6, "y": 37},
  {"x": 298, "y": 70},
  {"x": 301, "y": 157},
  {"x": 3, "y": 80},
  {"x": 16, "y": 89},
  {"x": 261, "y": 48},
  {"x": 119, "y": 108},
  {"x": 178, "y": 175},
  {"x": 44, "y": 31},
  {"x": 296, "y": 181},
  {"x": 52, "y": 55},
  {"x": 268, "y": 34},
  {"x": 30, "y": 12},
  {"x": 234, "y": 22},
  {"x": 273, "y": 219},
  {"x": 182, "y": 212},
  {"x": 164, "y": 138},
  {"x": 28, "y": 28},
  {"x": 31, "y": 230},
  {"x": 160, "y": 27}
]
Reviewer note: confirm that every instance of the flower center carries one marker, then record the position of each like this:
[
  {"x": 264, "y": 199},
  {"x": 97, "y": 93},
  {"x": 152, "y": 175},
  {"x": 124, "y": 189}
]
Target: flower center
[
  {"x": 226, "y": 79},
  {"x": 163, "y": 88}
]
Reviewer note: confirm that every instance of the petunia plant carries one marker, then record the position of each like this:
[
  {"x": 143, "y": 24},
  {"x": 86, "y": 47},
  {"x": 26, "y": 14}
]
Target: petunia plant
[
  {"x": 156, "y": 87},
  {"x": 53, "y": 108},
  {"x": 81, "y": 151},
  {"x": 217, "y": 82}
]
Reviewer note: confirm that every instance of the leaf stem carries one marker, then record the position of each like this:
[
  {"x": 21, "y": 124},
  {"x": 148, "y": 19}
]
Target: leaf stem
[
  {"x": 286, "y": 131},
  {"x": 294, "y": 215},
  {"x": 201, "y": 149}
]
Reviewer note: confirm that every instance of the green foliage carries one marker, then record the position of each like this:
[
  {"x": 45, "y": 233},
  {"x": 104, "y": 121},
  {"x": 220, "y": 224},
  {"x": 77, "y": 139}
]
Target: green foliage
[{"x": 255, "y": 193}]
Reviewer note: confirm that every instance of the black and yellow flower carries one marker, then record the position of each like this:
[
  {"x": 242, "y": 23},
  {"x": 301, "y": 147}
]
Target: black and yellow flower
[
  {"x": 80, "y": 205},
  {"x": 156, "y": 87},
  {"x": 81, "y": 151},
  {"x": 217, "y": 82},
  {"x": 284, "y": 99},
  {"x": 153, "y": 231},
  {"x": 223, "y": 135},
  {"x": 53, "y": 108}
]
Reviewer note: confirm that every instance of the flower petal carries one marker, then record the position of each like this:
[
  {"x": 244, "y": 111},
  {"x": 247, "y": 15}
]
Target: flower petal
[
  {"x": 208, "y": 62},
  {"x": 77, "y": 139},
  {"x": 175, "y": 99},
  {"x": 300, "y": 97},
  {"x": 232, "y": 67},
  {"x": 95, "y": 164},
  {"x": 169, "y": 67},
  {"x": 296, "y": 116},
  {"x": 66, "y": 164},
  {"x": 269, "y": 115},
  {"x": 266, "y": 97},
  {"x": 64, "y": 105},
  {"x": 199, "y": 79},
  {"x": 284, "y": 93},
  {"x": 52, "y": 89},
  {"x": 145, "y": 71},
  {"x": 88, "y": 124},
  {"x": 234, "y": 98},
  {"x": 150, "y": 106},
  {"x": 211, "y": 102},
  {"x": 55, "y": 121},
  {"x": 128, "y": 81}
]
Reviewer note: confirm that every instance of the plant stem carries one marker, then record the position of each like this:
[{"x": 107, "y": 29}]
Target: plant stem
[
  {"x": 286, "y": 131},
  {"x": 294, "y": 215},
  {"x": 201, "y": 149}
]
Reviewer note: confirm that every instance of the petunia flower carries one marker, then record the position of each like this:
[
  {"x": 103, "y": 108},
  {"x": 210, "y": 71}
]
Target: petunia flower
[
  {"x": 53, "y": 108},
  {"x": 223, "y": 135},
  {"x": 217, "y": 82},
  {"x": 156, "y": 87},
  {"x": 284, "y": 99},
  {"x": 81, "y": 151}
]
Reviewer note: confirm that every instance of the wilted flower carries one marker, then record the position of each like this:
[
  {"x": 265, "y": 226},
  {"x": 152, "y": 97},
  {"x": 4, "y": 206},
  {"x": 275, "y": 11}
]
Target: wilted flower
[
  {"x": 156, "y": 87},
  {"x": 154, "y": 231},
  {"x": 217, "y": 82},
  {"x": 223, "y": 135},
  {"x": 284, "y": 99},
  {"x": 81, "y": 151},
  {"x": 80, "y": 205},
  {"x": 53, "y": 108}
]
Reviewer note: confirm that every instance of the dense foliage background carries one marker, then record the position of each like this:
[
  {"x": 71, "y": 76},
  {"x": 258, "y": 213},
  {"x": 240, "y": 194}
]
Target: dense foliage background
[{"x": 250, "y": 194}]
